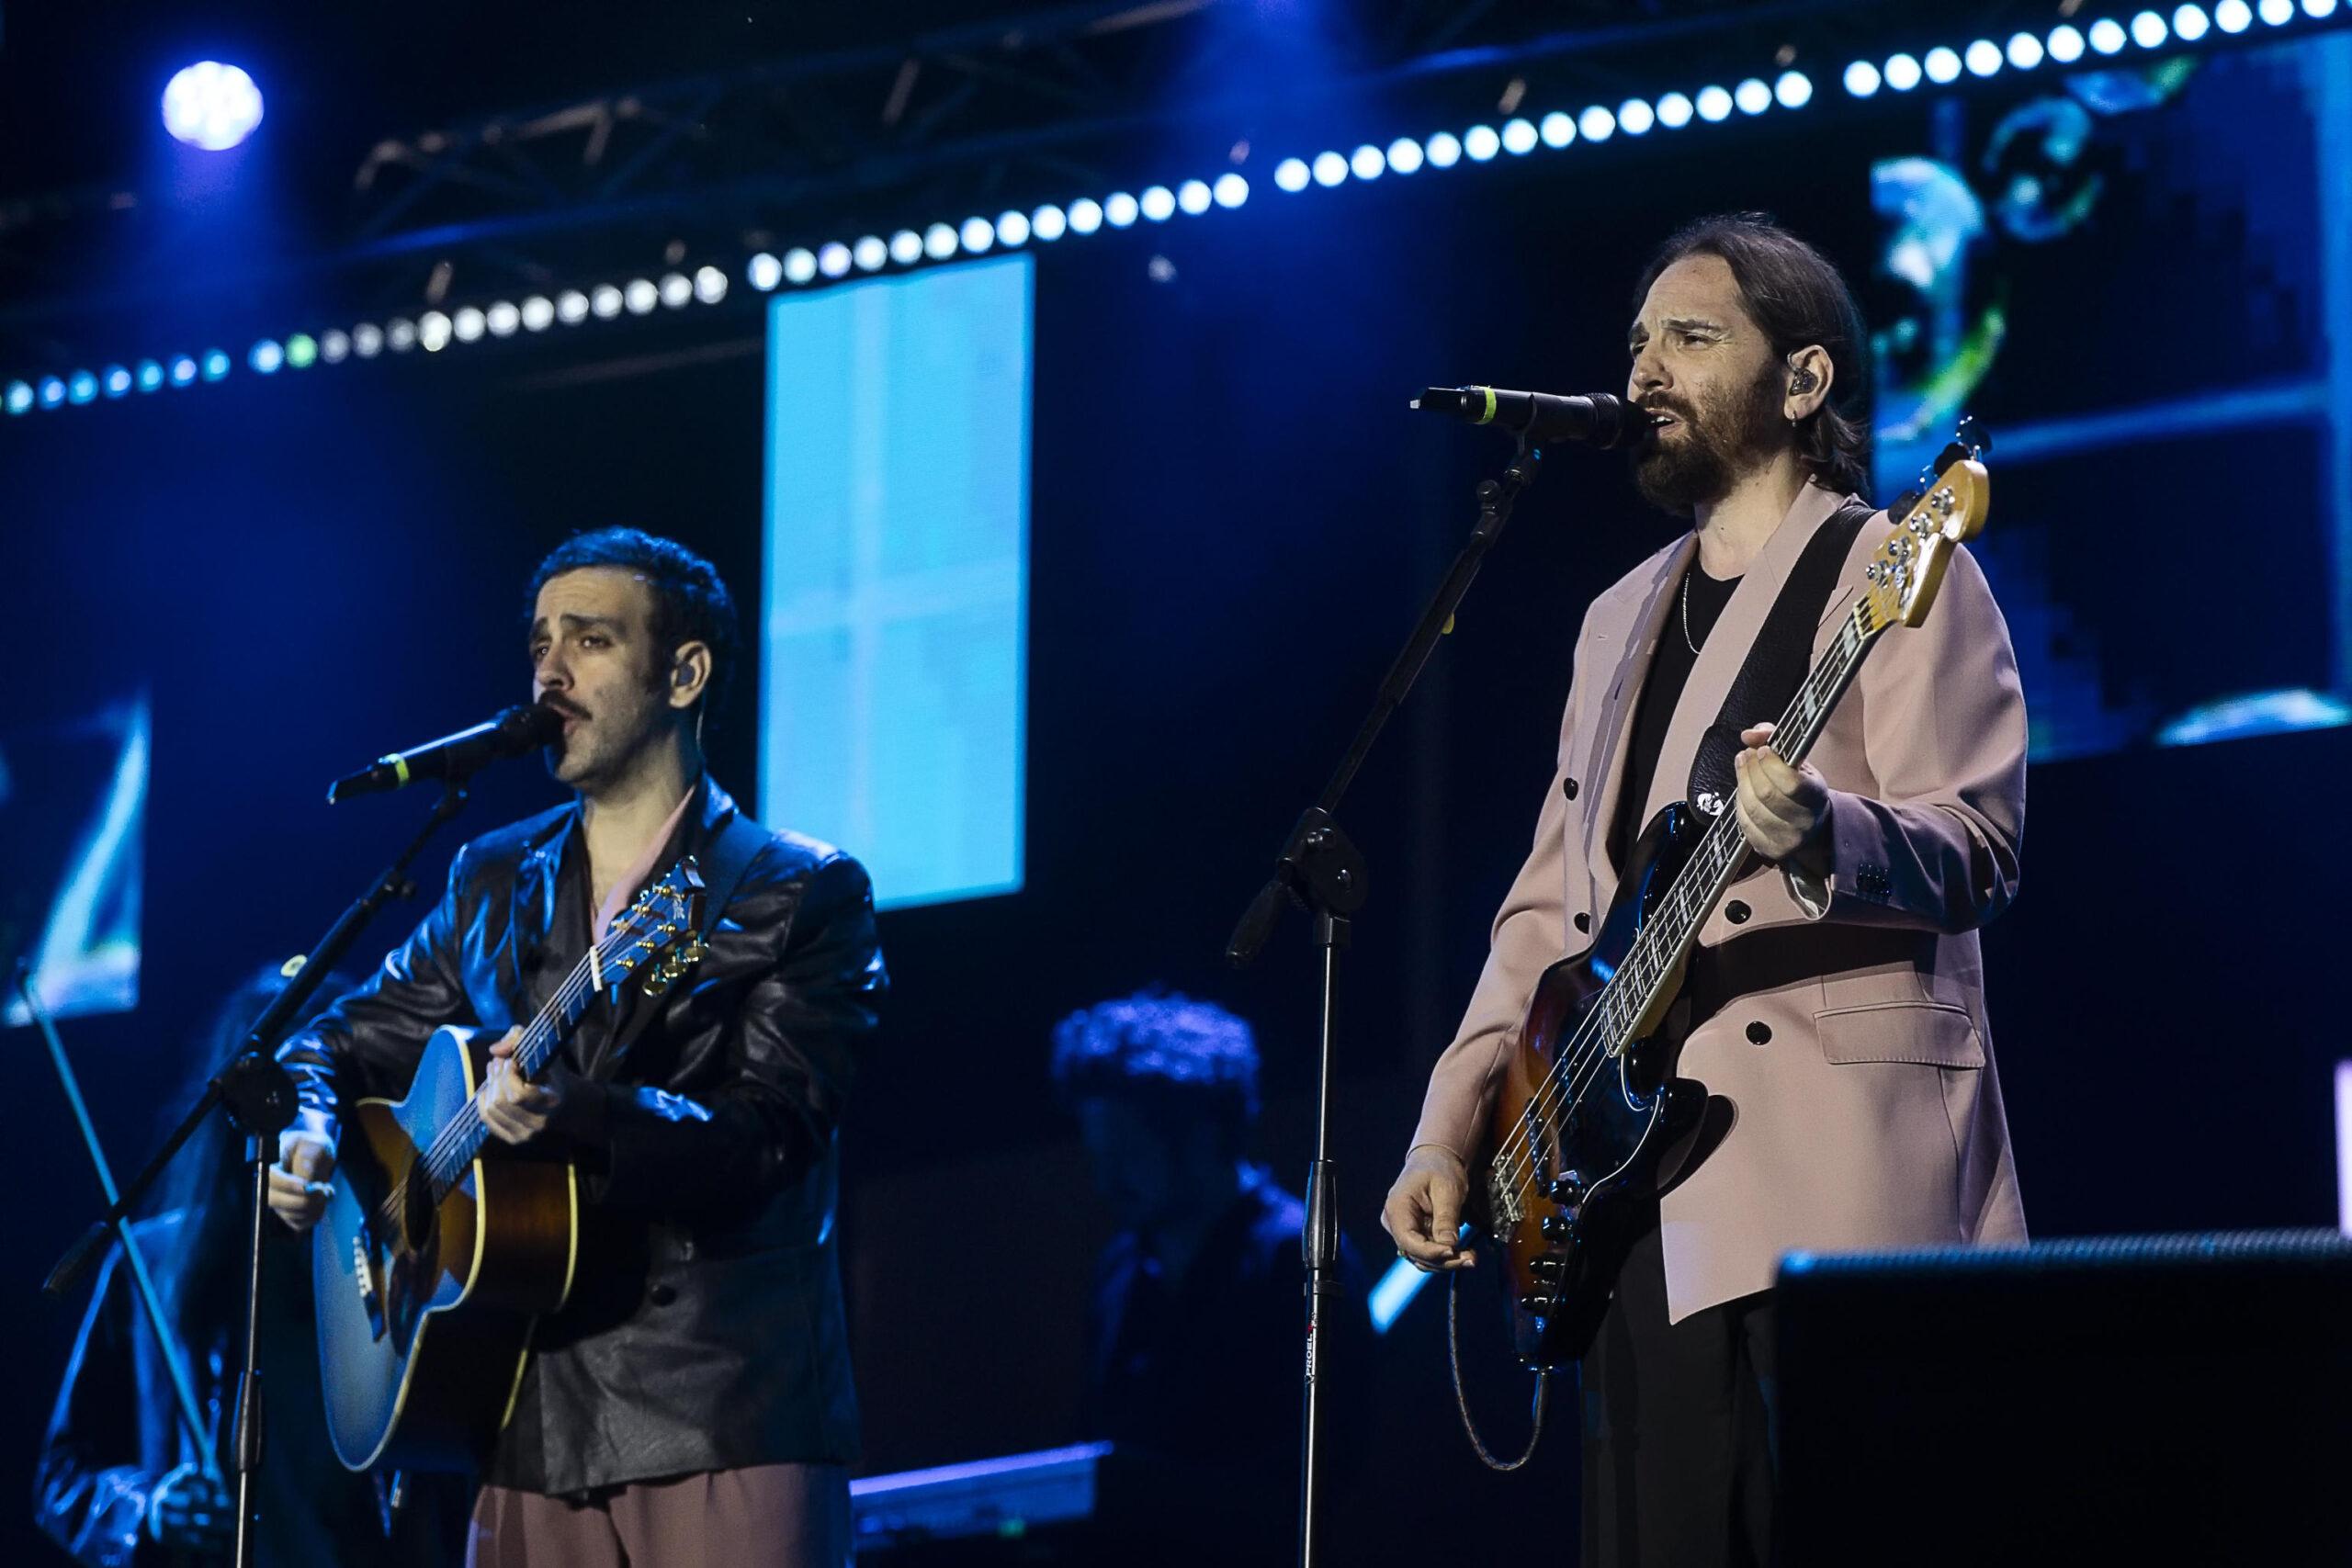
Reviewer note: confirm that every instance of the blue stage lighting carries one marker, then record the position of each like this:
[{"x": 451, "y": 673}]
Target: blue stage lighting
[
  {"x": 468, "y": 324},
  {"x": 149, "y": 375},
  {"x": 2108, "y": 36},
  {"x": 1714, "y": 104},
  {"x": 1231, "y": 190},
  {"x": 832, "y": 259},
  {"x": 906, "y": 247},
  {"x": 1595, "y": 124},
  {"x": 1158, "y": 203},
  {"x": 1861, "y": 78},
  {"x": 870, "y": 253},
  {"x": 977, "y": 234},
  {"x": 1794, "y": 89},
  {"x": 2189, "y": 23},
  {"x": 114, "y": 381},
  {"x": 2065, "y": 44},
  {"x": 52, "y": 392},
  {"x": 21, "y": 397},
  {"x": 1291, "y": 174},
  {"x": 81, "y": 387},
  {"x": 1481, "y": 143},
  {"x": 2319, "y": 10},
  {"x": 799, "y": 264},
  {"x": 1444, "y": 150},
  {"x": 1943, "y": 67},
  {"x": 2025, "y": 51},
  {"x": 1330, "y": 169},
  {"x": 1119, "y": 210},
  {"x": 1050, "y": 222},
  {"x": 182, "y": 371},
  {"x": 2148, "y": 30},
  {"x": 1634, "y": 117},
  {"x": 212, "y": 106},
  {"x": 2277, "y": 13},
  {"x": 433, "y": 327},
  {"x": 216, "y": 364},
  {"x": 762, "y": 272},
  {"x": 1983, "y": 57},
  {"x": 1556, "y": 129},
  {"x": 1752, "y": 97},
  {"x": 1012, "y": 228},
  {"x": 1192, "y": 198},
  {"x": 2233, "y": 15},
  {"x": 1674, "y": 111},
  {"x": 267, "y": 357},
  {"x": 939, "y": 240},
  {"x": 1519, "y": 137},
  {"x": 1367, "y": 163},
  {"x": 400, "y": 333},
  {"x": 1085, "y": 215},
  {"x": 334, "y": 346},
  {"x": 1902, "y": 73},
  {"x": 1403, "y": 155}
]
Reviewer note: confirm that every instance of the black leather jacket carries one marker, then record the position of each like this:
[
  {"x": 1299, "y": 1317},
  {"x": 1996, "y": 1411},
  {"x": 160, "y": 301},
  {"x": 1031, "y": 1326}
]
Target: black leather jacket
[{"x": 706, "y": 1329}]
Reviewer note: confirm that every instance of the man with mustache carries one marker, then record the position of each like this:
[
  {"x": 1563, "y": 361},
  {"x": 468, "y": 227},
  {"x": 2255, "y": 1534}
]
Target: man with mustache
[
  {"x": 692, "y": 1401},
  {"x": 1834, "y": 1000}
]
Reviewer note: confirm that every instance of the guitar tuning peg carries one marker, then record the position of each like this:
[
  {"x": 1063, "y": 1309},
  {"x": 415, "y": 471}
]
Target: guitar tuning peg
[
  {"x": 655, "y": 983},
  {"x": 1972, "y": 435},
  {"x": 696, "y": 950}
]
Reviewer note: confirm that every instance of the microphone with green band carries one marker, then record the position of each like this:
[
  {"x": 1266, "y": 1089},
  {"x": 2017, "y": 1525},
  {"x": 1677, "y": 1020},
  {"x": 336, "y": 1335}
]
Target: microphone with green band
[{"x": 1594, "y": 419}]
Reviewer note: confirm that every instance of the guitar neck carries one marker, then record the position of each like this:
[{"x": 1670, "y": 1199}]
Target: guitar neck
[
  {"x": 462, "y": 1138},
  {"x": 1673, "y": 925}
]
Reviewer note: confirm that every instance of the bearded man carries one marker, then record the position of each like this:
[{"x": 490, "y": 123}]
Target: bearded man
[{"x": 1835, "y": 993}]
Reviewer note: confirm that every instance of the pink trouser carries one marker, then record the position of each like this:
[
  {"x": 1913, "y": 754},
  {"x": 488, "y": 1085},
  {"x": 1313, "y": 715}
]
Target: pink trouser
[{"x": 766, "y": 1516}]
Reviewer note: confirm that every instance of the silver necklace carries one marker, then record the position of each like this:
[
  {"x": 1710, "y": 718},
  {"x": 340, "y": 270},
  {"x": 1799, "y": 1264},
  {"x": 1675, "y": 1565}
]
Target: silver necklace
[{"x": 1686, "y": 612}]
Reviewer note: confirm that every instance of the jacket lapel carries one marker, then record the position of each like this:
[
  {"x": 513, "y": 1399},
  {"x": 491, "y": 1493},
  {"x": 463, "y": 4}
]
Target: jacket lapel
[
  {"x": 1727, "y": 645},
  {"x": 1604, "y": 749}
]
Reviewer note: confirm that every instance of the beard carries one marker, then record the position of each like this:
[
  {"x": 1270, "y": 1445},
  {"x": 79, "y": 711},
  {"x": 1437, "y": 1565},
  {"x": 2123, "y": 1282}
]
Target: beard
[{"x": 1721, "y": 438}]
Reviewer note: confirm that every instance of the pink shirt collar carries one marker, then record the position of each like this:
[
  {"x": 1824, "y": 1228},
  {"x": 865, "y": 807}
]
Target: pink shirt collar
[{"x": 635, "y": 876}]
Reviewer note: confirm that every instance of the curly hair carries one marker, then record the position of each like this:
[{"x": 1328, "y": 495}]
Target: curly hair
[
  {"x": 1179, "y": 1058},
  {"x": 1798, "y": 298},
  {"x": 690, "y": 601}
]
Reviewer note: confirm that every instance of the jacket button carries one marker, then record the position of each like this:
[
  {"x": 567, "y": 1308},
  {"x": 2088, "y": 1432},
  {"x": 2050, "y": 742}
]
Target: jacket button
[
  {"x": 662, "y": 1295},
  {"x": 1759, "y": 1032},
  {"x": 1568, "y": 788},
  {"x": 1736, "y": 912},
  {"x": 1584, "y": 922}
]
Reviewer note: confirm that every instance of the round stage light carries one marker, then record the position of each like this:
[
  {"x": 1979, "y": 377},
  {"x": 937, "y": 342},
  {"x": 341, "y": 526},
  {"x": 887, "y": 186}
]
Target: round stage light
[
  {"x": 1714, "y": 104},
  {"x": 182, "y": 371},
  {"x": 762, "y": 272},
  {"x": 1634, "y": 117},
  {"x": 640, "y": 294},
  {"x": 1943, "y": 66},
  {"x": 1444, "y": 150},
  {"x": 151, "y": 376},
  {"x": 2277, "y": 13},
  {"x": 267, "y": 357},
  {"x": 2065, "y": 44},
  {"x": 2148, "y": 30},
  {"x": 216, "y": 364},
  {"x": 1595, "y": 124},
  {"x": 710, "y": 285},
  {"x": 1984, "y": 57},
  {"x": 906, "y": 247},
  {"x": 467, "y": 324},
  {"x": 1330, "y": 169},
  {"x": 367, "y": 339},
  {"x": 676, "y": 289},
  {"x": 1794, "y": 89},
  {"x": 1158, "y": 203},
  {"x": 2108, "y": 36},
  {"x": 1192, "y": 198},
  {"x": 116, "y": 381},
  {"x": 1519, "y": 137},
  {"x": 870, "y": 253},
  {"x": 81, "y": 387},
  {"x": 1050, "y": 222},
  {"x": 2025, "y": 51},
  {"x": 1674, "y": 111},
  {"x": 800, "y": 265},
  {"x": 334, "y": 346},
  {"x": 1404, "y": 156},
  {"x": 1556, "y": 129},
  {"x": 1120, "y": 209},
  {"x": 1085, "y": 215},
  {"x": 21, "y": 397},
  {"x": 1481, "y": 143},
  {"x": 2233, "y": 15},
  {"x": 1231, "y": 190},
  {"x": 977, "y": 234},
  {"x": 400, "y": 333},
  {"x": 2189, "y": 23},
  {"x": 301, "y": 352},
  {"x": 1861, "y": 78},
  {"x": 1291, "y": 174},
  {"x": 2319, "y": 10},
  {"x": 433, "y": 331},
  {"x": 52, "y": 392},
  {"x": 832, "y": 259},
  {"x": 504, "y": 318},
  {"x": 1012, "y": 228},
  {"x": 572, "y": 307},
  {"x": 1752, "y": 97},
  {"x": 939, "y": 241},
  {"x": 1902, "y": 73},
  {"x": 212, "y": 106},
  {"x": 1367, "y": 163}
]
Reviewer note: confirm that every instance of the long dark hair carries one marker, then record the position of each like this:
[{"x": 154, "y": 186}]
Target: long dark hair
[{"x": 1797, "y": 296}]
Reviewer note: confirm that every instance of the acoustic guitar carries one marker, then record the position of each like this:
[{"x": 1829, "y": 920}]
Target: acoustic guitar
[
  {"x": 1589, "y": 1100},
  {"x": 439, "y": 1248}
]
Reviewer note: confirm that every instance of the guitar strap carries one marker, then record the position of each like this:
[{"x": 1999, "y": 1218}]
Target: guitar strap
[
  {"x": 725, "y": 862},
  {"x": 1780, "y": 657}
]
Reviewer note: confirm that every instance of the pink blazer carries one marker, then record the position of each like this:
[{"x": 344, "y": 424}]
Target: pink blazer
[{"x": 1854, "y": 1053}]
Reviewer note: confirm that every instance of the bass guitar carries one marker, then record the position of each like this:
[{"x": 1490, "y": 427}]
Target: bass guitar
[
  {"x": 1589, "y": 1100},
  {"x": 439, "y": 1248}
]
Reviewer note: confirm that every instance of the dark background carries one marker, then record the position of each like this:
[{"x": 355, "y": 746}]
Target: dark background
[{"x": 1234, "y": 521}]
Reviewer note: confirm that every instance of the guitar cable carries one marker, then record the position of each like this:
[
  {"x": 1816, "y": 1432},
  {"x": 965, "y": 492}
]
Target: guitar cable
[{"x": 1462, "y": 1401}]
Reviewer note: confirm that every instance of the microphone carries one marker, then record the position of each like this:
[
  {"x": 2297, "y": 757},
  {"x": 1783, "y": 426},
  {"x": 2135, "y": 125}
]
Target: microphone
[
  {"x": 1541, "y": 418},
  {"x": 523, "y": 728}
]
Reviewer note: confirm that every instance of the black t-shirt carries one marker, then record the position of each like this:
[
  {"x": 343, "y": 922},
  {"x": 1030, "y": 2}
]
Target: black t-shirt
[{"x": 1661, "y": 690}]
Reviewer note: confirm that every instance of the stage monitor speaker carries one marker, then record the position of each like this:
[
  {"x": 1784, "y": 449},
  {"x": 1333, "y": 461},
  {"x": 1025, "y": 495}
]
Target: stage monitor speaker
[{"x": 2127, "y": 1400}]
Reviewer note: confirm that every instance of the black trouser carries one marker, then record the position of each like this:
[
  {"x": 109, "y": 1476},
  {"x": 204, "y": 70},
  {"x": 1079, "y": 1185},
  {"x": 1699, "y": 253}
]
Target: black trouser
[{"x": 1678, "y": 1457}]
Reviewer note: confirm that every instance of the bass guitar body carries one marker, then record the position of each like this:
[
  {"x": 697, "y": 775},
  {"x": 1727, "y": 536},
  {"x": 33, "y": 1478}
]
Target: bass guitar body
[
  {"x": 1565, "y": 1175},
  {"x": 425, "y": 1297}
]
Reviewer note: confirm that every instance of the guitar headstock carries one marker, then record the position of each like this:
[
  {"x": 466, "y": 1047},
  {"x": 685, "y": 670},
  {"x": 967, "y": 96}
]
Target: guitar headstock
[
  {"x": 1947, "y": 508},
  {"x": 657, "y": 932}
]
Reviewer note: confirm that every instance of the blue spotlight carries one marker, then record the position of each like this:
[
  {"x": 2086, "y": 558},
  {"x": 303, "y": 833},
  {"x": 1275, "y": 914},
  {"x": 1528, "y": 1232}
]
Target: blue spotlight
[
  {"x": 1085, "y": 215},
  {"x": 1231, "y": 190},
  {"x": 1368, "y": 163},
  {"x": 212, "y": 106},
  {"x": 2025, "y": 51},
  {"x": 1752, "y": 97},
  {"x": 800, "y": 265},
  {"x": 939, "y": 240},
  {"x": 1330, "y": 169},
  {"x": 1984, "y": 57},
  {"x": 1861, "y": 78},
  {"x": 1794, "y": 89},
  {"x": 1714, "y": 104},
  {"x": 21, "y": 397},
  {"x": 2108, "y": 36},
  {"x": 1902, "y": 73},
  {"x": 1674, "y": 111},
  {"x": 116, "y": 381},
  {"x": 1291, "y": 174},
  {"x": 1634, "y": 117},
  {"x": 2233, "y": 15},
  {"x": 833, "y": 258},
  {"x": 764, "y": 272},
  {"x": 1158, "y": 203},
  {"x": 1120, "y": 209},
  {"x": 2277, "y": 13},
  {"x": 2148, "y": 30},
  {"x": 1012, "y": 228},
  {"x": 52, "y": 392},
  {"x": 2319, "y": 10},
  {"x": 2065, "y": 45},
  {"x": 2189, "y": 23},
  {"x": 1444, "y": 150},
  {"x": 870, "y": 253},
  {"x": 977, "y": 234},
  {"x": 1943, "y": 67},
  {"x": 151, "y": 374},
  {"x": 182, "y": 371},
  {"x": 1192, "y": 198},
  {"x": 1481, "y": 143},
  {"x": 1403, "y": 155},
  {"x": 1595, "y": 124},
  {"x": 1557, "y": 129},
  {"x": 267, "y": 357},
  {"x": 81, "y": 387},
  {"x": 1050, "y": 222},
  {"x": 1519, "y": 137}
]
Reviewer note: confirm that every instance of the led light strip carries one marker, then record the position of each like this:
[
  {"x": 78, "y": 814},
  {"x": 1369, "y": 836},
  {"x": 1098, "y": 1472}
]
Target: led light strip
[{"x": 2066, "y": 44}]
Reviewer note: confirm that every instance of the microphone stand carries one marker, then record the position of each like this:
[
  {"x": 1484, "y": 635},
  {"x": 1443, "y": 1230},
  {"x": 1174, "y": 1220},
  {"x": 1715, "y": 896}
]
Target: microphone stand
[
  {"x": 1322, "y": 870},
  {"x": 260, "y": 1099}
]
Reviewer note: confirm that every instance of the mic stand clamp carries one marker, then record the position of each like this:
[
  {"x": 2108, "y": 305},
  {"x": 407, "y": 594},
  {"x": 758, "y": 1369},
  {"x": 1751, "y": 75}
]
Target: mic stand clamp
[{"x": 1322, "y": 870}]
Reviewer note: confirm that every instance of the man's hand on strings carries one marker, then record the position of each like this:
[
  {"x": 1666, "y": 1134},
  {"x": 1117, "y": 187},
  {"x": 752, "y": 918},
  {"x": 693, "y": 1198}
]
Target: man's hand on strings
[
  {"x": 1781, "y": 810},
  {"x": 515, "y": 1108}
]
